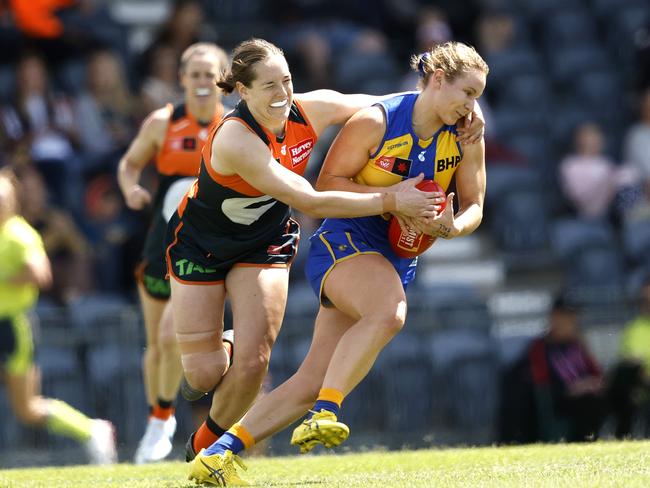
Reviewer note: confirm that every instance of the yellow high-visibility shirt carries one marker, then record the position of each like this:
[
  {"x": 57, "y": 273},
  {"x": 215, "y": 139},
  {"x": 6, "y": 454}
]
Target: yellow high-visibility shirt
[{"x": 19, "y": 242}]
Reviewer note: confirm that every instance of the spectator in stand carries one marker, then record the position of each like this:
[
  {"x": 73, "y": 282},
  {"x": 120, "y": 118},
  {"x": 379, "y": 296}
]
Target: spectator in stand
[
  {"x": 111, "y": 230},
  {"x": 589, "y": 179},
  {"x": 184, "y": 27},
  {"x": 636, "y": 148},
  {"x": 432, "y": 29},
  {"x": 104, "y": 113},
  {"x": 40, "y": 123},
  {"x": 161, "y": 84},
  {"x": 65, "y": 245},
  {"x": 64, "y": 29},
  {"x": 555, "y": 390},
  {"x": 318, "y": 37}
]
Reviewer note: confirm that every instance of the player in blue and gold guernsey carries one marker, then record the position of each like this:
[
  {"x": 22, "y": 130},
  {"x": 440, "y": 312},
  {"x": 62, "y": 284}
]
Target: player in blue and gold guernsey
[
  {"x": 24, "y": 268},
  {"x": 355, "y": 274},
  {"x": 172, "y": 137}
]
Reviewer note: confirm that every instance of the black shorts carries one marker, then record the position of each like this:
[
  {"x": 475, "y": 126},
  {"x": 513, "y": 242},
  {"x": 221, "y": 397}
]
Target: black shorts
[
  {"x": 190, "y": 262},
  {"x": 152, "y": 271},
  {"x": 16, "y": 345}
]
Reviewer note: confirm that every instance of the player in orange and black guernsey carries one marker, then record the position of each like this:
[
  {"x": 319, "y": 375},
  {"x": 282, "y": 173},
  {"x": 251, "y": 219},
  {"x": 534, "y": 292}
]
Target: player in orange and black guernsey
[
  {"x": 224, "y": 211},
  {"x": 173, "y": 137}
]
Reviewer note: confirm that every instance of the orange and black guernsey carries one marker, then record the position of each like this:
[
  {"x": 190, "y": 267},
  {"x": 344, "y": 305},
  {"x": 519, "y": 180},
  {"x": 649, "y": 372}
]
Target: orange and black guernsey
[
  {"x": 223, "y": 221},
  {"x": 180, "y": 154},
  {"x": 178, "y": 159}
]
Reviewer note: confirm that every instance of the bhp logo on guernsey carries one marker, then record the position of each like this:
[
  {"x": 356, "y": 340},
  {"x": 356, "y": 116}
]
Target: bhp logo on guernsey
[{"x": 301, "y": 151}]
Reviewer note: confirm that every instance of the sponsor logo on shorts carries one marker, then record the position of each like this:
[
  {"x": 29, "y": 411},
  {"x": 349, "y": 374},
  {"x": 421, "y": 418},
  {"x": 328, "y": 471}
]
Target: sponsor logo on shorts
[
  {"x": 301, "y": 151},
  {"x": 186, "y": 267}
]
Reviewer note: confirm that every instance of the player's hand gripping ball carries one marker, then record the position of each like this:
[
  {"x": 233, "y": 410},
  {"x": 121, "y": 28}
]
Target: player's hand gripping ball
[{"x": 411, "y": 243}]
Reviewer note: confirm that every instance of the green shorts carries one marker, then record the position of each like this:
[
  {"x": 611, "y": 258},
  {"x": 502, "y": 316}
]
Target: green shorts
[
  {"x": 16, "y": 344},
  {"x": 152, "y": 270}
]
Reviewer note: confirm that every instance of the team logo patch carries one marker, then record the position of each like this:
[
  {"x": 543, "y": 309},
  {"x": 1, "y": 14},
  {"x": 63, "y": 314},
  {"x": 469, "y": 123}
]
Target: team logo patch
[
  {"x": 301, "y": 151},
  {"x": 395, "y": 165},
  {"x": 189, "y": 143}
]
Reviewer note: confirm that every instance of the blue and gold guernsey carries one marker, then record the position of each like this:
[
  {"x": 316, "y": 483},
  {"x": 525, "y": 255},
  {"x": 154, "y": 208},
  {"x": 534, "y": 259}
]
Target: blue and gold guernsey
[{"x": 401, "y": 155}]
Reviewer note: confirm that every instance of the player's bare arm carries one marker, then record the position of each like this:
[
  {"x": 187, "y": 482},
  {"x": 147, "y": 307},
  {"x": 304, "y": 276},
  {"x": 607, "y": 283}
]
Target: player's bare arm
[
  {"x": 242, "y": 152},
  {"x": 329, "y": 107},
  {"x": 470, "y": 185},
  {"x": 142, "y": 149}
]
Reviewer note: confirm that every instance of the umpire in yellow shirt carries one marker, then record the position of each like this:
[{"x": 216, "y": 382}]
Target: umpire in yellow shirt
[{"x": 24, "y": 268}]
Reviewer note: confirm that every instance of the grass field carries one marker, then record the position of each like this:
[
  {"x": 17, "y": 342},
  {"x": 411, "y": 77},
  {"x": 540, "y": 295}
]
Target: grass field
[{"x": 602, "y": 464}]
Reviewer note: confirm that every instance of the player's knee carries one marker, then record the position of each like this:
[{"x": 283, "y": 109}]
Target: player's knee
[
  {"x": 167, "y": 344},
  {"x": 254, "y": 368},
  {"x": 29, "y": 414},
  {"x": 390, "y": 321},
  {"x": 204, "y": 370}
]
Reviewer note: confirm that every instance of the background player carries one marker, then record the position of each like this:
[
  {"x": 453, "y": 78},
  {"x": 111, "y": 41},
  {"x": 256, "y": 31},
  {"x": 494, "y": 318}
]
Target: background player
[
  {"x": 24, "y": 268},
  {"x": 174, "y": 137}
]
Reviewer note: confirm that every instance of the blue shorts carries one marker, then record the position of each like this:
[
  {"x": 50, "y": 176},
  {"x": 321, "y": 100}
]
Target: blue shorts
[{"x": 338, "y": 240}]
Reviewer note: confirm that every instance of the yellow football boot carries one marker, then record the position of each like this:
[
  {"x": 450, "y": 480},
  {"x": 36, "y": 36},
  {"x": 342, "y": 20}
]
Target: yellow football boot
[
  {"x": 217, "y": 470},
  {"x": 322, "y": 428}
]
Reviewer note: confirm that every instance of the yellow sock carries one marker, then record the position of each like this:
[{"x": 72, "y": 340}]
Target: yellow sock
[
  {"x": 242, "y": 433},
  {"x": 328, "y": 399},
  {"x": 64, "y": 420}
]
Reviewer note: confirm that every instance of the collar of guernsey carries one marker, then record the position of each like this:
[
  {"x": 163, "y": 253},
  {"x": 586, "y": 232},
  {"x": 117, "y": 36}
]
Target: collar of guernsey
[
  {"x": 291, "y": 150},
  {"x": 403, "y": 155},
  {"x": 18, "y": 243},
  {"x": 180, "y": 153}
]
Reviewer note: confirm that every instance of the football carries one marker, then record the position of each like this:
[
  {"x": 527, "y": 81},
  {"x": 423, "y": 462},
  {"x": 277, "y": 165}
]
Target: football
[{"x": 408, "y": 244}]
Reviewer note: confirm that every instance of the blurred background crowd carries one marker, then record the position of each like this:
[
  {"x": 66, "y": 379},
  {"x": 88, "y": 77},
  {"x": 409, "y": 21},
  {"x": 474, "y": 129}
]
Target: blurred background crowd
[{"x": 567, "y": 108}]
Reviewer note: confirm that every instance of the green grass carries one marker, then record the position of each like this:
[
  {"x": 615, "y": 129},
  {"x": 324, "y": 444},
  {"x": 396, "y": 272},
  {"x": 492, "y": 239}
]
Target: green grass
[{"x": 601, "y": 464}]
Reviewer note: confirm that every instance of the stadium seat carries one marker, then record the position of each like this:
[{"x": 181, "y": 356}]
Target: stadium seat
[
  {"x": 538, "y": 9},
  {"x": 71, "y": 77},
  {"x": 594, "y": 267},
  {"x": 511, "y": 118},
  {"x": 7, "y": 83},
  {"x": 602, "y": 87},
  {"x": 537, "y": 149},
  {"x": 464, "y": 377},
  {"x": 521, "y": 222},
  {"x": 506, "y": 64},
  {"x": 606, "y": 9},
  {"x": 353, "y": 70},
  {"x": 567, "y": 115},
  {"x": 568, "y": 27},
  {"x": 502, "y": 178},
  {"x": 526, "y": 90},
  {"x": 569, "y": 62},
  {"x": 570, "y": 236},
  {"x": 115, "y": 385},
  {"x": 636, "y": 240},
  {"x": 405, "y": 373},
  {"x": 510, "y": 348}
]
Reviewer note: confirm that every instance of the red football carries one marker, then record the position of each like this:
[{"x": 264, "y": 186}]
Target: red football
[{"x": 410, "y": 244}]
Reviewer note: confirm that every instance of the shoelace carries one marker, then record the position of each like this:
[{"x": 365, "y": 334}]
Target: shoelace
[{"x": 229, "y": 455}]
